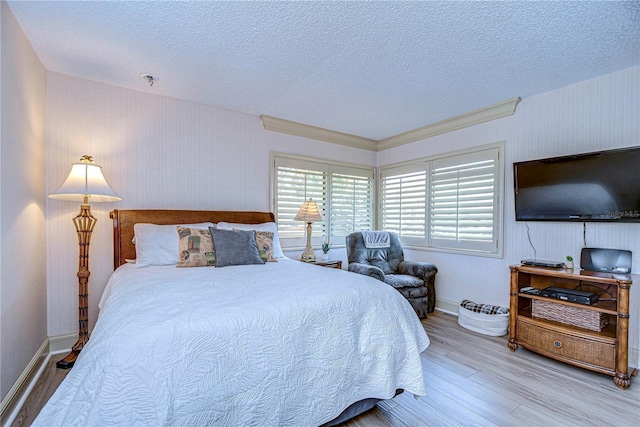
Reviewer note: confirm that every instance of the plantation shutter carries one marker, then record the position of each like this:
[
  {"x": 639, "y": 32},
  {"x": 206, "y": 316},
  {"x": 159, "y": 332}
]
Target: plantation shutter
[
  {"x": 344, "y": 194},
  {"x": 296, "y": 181},
  {"x": 351, "y": 202},
  {"x": 464, "y": 201},
  {"x": 404, "y": 203}
]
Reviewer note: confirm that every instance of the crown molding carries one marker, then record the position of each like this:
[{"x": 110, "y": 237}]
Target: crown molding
[
  {"x": 307, "y": 131},
  {"x": 486, "y": 114}
]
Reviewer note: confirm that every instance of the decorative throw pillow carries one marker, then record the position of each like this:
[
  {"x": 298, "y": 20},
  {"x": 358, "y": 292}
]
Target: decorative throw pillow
[
  {"x": 235, "y": 247},
  {"x": 264, "y": 240},
  {"x": 195, "y": 248},
  {"x": 158, "y": 244},
  {"x": 265, "y": 226}
]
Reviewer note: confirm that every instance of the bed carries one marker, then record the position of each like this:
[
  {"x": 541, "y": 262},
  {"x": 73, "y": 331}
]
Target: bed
[{"x": 278, "y": 343}]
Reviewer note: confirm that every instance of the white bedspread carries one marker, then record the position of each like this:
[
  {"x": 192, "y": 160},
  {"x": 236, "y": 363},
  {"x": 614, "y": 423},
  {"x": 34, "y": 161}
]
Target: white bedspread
[{"x": 261, "y": 345}]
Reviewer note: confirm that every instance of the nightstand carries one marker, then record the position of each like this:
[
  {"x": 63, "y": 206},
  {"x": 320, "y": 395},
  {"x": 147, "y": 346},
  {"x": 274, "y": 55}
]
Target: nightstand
[{"x": 329, "y": 263}]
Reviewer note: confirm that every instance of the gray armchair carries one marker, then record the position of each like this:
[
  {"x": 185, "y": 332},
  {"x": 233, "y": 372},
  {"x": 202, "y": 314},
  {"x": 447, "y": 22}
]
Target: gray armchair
[{"x": 414, "y": 280}]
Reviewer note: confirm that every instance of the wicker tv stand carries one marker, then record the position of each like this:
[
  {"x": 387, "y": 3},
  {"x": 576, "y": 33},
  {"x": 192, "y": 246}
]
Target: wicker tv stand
[{"x": 604, "y": 351}]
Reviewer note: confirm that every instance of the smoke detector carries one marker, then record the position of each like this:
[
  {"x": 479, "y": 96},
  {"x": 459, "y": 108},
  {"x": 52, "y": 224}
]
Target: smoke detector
[{"x": 149, "y": 78}]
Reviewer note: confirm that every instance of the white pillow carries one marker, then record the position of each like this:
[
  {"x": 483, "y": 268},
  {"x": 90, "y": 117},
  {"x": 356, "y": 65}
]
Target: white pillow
[
  {"x": 158, "y": 244},
  {"x": 265, "y": 226}
]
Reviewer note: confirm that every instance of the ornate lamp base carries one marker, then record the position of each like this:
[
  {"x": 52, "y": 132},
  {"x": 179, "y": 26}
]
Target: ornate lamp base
[
  {"x": 84, "y": 223},
  {"x": 308, "y": 255},
  {"x": 69, "y": 361}
]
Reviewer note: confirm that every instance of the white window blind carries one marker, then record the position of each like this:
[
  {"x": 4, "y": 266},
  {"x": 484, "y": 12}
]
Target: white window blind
[
  {"x": 463, "y": 202},
  {"x": 351, "y": 204},
  {"x": 404, "y": 201},
  {"x": 449, "y": 203},
  {"x": 296, "y": 183},
  {"x": 343, "y": 193}
]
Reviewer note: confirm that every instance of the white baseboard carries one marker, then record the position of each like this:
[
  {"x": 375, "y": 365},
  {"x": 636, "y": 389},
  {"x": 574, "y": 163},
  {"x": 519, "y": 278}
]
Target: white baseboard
[
  {"x": 13, "y": 401},
  {"x": 20, "y": 390},
  {"x": 446, "y": 306},
  {"x": 62, "y": 343}
]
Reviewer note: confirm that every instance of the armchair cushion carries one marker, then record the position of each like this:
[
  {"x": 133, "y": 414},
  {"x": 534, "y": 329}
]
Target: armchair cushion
[
  {"x": 416, "y": 268},
  {"x": 367, "y": 270},
  {"x": 403, "y": 281}
]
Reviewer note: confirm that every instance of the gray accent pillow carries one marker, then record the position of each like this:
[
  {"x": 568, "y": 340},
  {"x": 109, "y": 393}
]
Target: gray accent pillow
[{"x": 235, "y": 247}]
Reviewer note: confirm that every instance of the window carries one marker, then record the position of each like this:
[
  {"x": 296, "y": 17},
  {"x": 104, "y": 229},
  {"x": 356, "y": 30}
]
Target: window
[
  {"x": 447, "y": 203},
  {"x": 351, "y": 203},
  {"x": 404, "y": 201},
  {"x": 343, "y": 193}
]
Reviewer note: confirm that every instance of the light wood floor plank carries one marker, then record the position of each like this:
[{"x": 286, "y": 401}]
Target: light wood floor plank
[
  {"x": 557, "y": 388},
  {"x": 465, "y": 415},
  {"x": 41, "y": 392},
  {"x": 491, "y": 406},
  {"x": 516, "y": 388},
  {"x": 425, "y": 414}
]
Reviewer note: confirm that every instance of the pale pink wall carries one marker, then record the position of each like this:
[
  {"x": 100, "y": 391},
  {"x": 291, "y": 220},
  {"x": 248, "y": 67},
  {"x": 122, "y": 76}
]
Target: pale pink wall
[{"x": 23, "y": 291}]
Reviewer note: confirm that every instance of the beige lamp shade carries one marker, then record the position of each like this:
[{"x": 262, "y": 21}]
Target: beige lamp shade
[
  {"x": 309, "y": 212},
  {"x": 85, "y": 179}
]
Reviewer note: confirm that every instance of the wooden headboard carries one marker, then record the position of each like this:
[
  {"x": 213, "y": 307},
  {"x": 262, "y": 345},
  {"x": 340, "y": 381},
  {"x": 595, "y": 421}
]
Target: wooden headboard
[{"x": 124, "y": 220}]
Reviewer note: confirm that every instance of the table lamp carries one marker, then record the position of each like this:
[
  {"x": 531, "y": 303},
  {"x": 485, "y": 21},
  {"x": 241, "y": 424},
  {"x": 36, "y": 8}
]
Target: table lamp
[
  {"x": 84, "y": 181},
  {"x": 309, "y": 213}
]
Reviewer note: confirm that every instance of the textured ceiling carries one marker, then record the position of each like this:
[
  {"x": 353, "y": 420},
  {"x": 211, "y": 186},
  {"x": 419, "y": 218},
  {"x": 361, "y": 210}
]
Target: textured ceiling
[{"x": 373, "y": 69}]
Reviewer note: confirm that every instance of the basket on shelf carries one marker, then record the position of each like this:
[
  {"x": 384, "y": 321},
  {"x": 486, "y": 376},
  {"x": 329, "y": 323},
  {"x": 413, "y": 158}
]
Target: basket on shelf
[{"x": 582, "y": 318}]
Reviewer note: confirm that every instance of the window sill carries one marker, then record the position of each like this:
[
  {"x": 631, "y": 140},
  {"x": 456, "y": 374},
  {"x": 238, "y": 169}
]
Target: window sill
[{"x": 454, "y": 251}]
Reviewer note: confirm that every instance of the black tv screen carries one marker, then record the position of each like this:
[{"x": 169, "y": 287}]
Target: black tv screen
[{"x": 599, "y": 186}]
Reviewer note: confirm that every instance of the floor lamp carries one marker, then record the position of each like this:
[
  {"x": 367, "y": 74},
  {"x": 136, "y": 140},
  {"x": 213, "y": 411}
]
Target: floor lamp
[
  {"x": 84, "y": 181},
  {"x": 308, "y": 213}
]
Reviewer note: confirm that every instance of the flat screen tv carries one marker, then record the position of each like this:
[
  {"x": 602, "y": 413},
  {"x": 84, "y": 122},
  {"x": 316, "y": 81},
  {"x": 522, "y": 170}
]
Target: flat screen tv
[{"x": 598, "y": 186}]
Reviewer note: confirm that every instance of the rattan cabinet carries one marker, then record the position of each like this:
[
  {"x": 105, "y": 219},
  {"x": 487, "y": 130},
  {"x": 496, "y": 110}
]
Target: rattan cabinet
[{"x": 594, "y": 336}]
